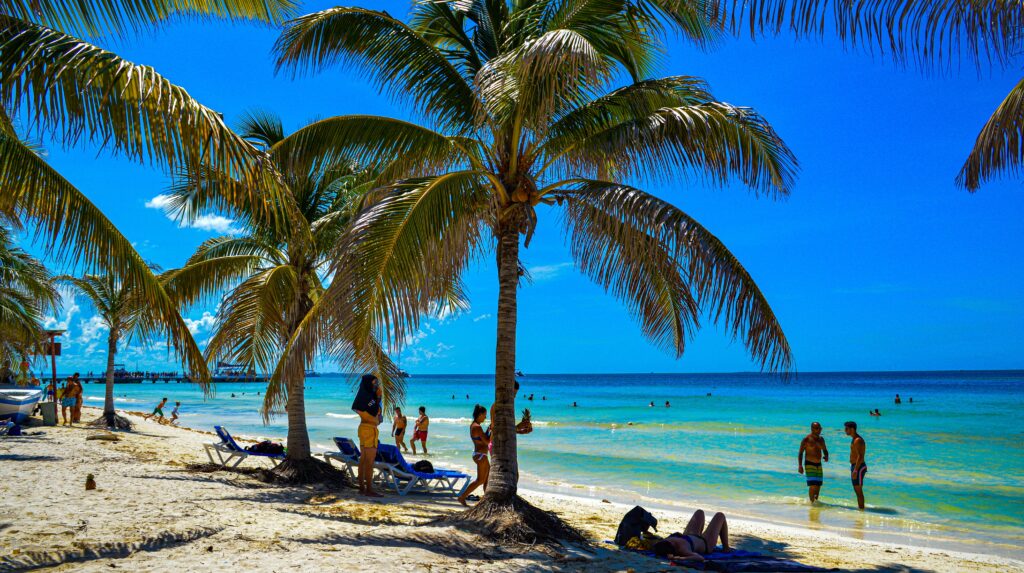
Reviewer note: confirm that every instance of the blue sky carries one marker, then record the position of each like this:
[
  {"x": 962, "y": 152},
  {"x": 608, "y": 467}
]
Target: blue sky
[{"x": 876, "y": 261}]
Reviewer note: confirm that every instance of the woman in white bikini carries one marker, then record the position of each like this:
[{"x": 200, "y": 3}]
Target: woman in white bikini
[{"x": 481, "y": 441}]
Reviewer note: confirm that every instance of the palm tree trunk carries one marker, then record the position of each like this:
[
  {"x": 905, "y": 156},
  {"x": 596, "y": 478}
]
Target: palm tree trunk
[
  {"x": 298, "y": 435},
  {"x": 108, "y": 399},
  {"x": 504, "y": 477}
]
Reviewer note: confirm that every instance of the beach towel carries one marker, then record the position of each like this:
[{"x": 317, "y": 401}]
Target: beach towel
[{"x": 738, "y": 561}]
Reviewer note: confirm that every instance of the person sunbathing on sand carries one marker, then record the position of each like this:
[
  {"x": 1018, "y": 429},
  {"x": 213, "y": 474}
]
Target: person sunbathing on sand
[{"x": 692, "y": 544}]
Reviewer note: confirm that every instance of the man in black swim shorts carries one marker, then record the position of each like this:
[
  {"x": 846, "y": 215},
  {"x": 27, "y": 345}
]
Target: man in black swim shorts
[{"x": 858, "y": 467}]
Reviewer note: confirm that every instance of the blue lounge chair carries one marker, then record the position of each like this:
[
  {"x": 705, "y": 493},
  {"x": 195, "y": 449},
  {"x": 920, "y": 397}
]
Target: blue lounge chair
[
  {"x": 402, "y": 476},
  {"x": 230, "y": 454},
  {"x": 5, "y": 427},
  {"x": 348, "y": 455}
]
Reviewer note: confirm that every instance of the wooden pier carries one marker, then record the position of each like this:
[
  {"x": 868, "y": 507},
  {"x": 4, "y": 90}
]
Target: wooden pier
[{"x": 168, "y": 379}]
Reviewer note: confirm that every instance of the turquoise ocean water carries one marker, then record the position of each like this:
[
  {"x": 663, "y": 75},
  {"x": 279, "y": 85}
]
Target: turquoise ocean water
[{"x": 946, "y": 470}]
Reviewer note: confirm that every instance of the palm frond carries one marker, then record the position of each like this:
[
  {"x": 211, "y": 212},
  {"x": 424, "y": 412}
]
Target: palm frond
[
  {"x": 69, "y": 227},
  {"x": 638, "y": 270},
  {"x": 75, "y": 91},
  {"x": 387, "y": 51},
  {"x": 95, "y": 18},
  {"x": 999, "y": 148},
  {"x": 609, "y": 214},
  {"x": 714, "y": 141},
  {"x": 208, "y": 279},
  {"x": 926, "y": 33},
  {"x": 261, "y": 127},
  {"x": 372, "y": 142},
  {"x": 405, "y": 252}
]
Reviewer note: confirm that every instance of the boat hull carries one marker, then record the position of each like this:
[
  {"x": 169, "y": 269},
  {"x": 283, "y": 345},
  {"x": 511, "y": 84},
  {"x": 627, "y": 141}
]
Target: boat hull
[{"x": 18, "y": 403}]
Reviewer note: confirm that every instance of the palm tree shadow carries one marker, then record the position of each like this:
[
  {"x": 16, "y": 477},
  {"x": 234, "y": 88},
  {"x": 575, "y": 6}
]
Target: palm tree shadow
[{"x": 756, "y": 544}]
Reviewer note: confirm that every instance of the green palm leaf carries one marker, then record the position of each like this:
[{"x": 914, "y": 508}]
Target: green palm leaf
[
  {"x": 715, "y": 141},
  {"x": 999, "y": 147},
  {"x": 70, "y": 227},
  {"x": 387, "y": 51},
  {"x": 924, "y": 32},
  {"x": 95, "y": 18},
  {"x": 607, "y": 215},
  {"x": 74, "y": 91}
]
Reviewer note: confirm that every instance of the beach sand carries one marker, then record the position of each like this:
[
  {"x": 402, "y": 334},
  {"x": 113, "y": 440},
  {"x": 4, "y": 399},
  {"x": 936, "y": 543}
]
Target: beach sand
[{"x": 151, "y": 513}]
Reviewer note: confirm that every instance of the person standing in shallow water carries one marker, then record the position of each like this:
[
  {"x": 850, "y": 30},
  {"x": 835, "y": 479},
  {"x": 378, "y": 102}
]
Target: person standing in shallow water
[
  {"x": 812, "y": 453},
  {"x": 367, "y": 405},
  {"x": 420, "y": 429},
  {"x": 481, "y": 447},
  {"x": 858, "y": 467},
  {"x": 398, "y": 429}
]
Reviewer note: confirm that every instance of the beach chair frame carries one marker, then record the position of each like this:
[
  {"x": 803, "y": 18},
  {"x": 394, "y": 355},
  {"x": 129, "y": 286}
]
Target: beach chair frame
[
  {"x": 404, "y": 479},
  {"x": 348, "y": 455},
  {"x": 229, "y": 454}
]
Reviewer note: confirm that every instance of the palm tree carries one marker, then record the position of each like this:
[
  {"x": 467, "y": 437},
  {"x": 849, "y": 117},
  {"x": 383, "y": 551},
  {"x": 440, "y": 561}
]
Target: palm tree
[
  {"x": 274, "y": 277},
  {"x": 127, "y": 315},
  {"x": 26, "y": 292},
  {"x": 67, "y": 88},
  {"x": 930, "y": 34},
  {"x": 521, "y": 118}
]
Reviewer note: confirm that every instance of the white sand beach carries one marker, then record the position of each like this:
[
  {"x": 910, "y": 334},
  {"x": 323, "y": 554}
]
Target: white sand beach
[{"x": 150, "y": 512}]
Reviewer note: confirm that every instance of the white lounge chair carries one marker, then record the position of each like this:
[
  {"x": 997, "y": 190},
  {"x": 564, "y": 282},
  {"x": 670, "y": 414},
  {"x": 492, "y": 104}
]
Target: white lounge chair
[
  {"x": 404, "y": 479},
  {"x": 347, "y": 455},
  {"x": 229, "y": 454}
]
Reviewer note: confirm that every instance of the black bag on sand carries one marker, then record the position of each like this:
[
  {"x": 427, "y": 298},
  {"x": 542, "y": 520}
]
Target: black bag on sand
[
  {"x": 265, "y": 447},
  {"x": 424, "y": 467},
  {"x": 635, "y": 522}
]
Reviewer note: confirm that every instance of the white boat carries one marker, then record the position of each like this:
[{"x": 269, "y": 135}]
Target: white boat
[{"x": 18, "y": 402}]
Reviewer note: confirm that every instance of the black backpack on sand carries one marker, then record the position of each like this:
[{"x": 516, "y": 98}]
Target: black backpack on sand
[{"x": 424, "y": 467}]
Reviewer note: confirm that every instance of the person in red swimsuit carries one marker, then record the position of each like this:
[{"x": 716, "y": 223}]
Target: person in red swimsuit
[{"x": 420, "y": 431}]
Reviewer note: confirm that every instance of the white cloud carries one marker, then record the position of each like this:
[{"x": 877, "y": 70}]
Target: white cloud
[
  {"x": 92, "y": 329},
  {"x": 215, "y": 223},
  {"x": 547, "y": 272},
  {"x": 205, "y": 322},
  {"x": 445, "y": 314},
  {"x": 159, "y": 202},
  {"x": 482, "y": 317},
  {"x": 421, "y": 355},
  {"x": 69, "y": 309}
]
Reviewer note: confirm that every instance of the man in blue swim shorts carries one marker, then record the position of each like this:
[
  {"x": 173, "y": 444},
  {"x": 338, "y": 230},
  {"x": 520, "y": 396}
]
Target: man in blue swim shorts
[{"x": 858, "y": 467}]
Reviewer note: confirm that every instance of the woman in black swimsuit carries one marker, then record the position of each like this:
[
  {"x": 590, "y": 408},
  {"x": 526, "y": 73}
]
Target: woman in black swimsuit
[
  {"x": 481, "y": 442},
  {"x": 696, "y": 540}
]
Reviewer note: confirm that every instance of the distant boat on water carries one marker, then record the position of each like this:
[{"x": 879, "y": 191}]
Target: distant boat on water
[
  {"x": 227, "y": 372},
  {"x": 519, "y": 374},
  {"x": 403, "y": 374},
  {"x": 312, "y": 374}
]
